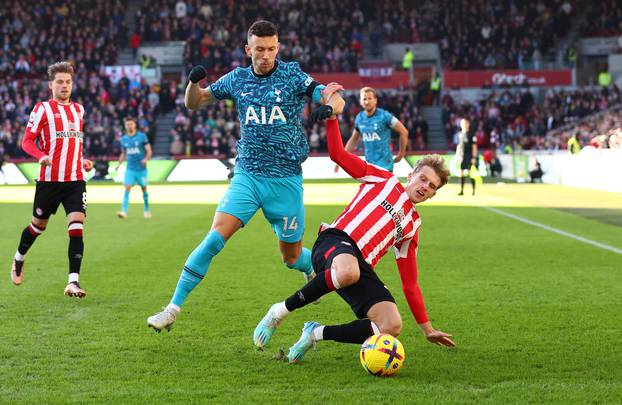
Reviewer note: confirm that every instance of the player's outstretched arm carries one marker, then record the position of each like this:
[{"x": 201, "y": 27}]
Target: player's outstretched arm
[
  {"x": 196, "y": 97},
  {"x": 436, "y": 336},
  {"x": 351, "y": 163},
  {"x": 407, "y": 267},
  {"x": 351, "y": 144}
]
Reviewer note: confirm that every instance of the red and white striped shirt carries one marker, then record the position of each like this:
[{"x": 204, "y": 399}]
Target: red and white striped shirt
[
  {"x": 59, "y": 130},
  {"x": 379, "y": 217}
]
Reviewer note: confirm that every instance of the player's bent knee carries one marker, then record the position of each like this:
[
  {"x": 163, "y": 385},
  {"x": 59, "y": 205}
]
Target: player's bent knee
[
  {"x": 391, "y": 326},
  {"x": 289, "y": 260},
  {"x": 75, "y": 229},
  {"x": 348, "y": 275},
  {"x": 39, "y": 223}
]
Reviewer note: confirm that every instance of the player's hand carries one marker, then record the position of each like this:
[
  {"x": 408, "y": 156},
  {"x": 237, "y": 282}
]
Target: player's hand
[
  {"x": 46, "y": 161},
  {"x": 87, "y": 165},
  {"x": 336, "y": 168},
  {"x": 197, "y": 74},
  {"x": 321, "y": 113},
  {"x": 439, "y": 338},
  {"x": 473, "y": 161},
  {"x": 398, "y": 158},
  {"x": 330, "y": 89},
  {"x": 144, "y": 162}
]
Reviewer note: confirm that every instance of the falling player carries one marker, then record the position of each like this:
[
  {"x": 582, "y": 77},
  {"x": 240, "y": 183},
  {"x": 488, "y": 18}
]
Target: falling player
[{"x": 381, "y": 216}]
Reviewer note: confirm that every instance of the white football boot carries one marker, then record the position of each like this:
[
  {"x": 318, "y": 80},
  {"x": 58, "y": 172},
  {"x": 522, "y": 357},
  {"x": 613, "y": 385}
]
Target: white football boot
[{"x": 162, "y": 320}]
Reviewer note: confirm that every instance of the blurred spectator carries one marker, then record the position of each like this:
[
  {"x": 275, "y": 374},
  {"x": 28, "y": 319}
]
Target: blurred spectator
[
  {"x": 135, "y": 42},
  {"x": 604, "y": 77},
  {"x": 407, "y": 65},
  {"x": 435, "y": 88},
  {"x": 493, "y": 164},
  {"x": 574, "y": 146}
]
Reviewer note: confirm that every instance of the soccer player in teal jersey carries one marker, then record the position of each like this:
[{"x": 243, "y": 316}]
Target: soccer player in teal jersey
[
  {"x": 135, "y": 148},
  {"x": 269, "y": 96},
  {"x": 374, "y": 125}
]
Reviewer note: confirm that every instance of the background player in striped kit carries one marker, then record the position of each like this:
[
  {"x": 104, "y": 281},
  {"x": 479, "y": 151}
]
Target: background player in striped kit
[
  {"x": 375, "y": 125},
  {"x": 381, "y": 216},
  {"x": 135, "y": 148},
  {"x": 269, "y": 96},
  {"x": 57, "y": 126}
]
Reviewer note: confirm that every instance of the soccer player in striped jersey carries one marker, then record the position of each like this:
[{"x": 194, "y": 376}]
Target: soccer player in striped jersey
[
  {"x": 54, "y": 136},
  {"x": 382, "y": 216}
]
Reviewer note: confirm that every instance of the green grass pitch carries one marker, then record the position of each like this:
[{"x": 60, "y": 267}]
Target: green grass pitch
[{"x": 536, "y": 316}]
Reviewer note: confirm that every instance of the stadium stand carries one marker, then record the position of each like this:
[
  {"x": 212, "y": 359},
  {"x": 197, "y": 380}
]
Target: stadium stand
[
  {"x": 324, "y": 36},
  {"x": 470, "y": 35},
  {"x": 480, "y": 34},
  {"x": 603, "y": 18},
  {"x": 513, "y": 118}
]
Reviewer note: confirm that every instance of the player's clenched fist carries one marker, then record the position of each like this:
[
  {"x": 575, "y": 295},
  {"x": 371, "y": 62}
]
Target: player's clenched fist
[
  {"x": 197, "y": 74},
  {"x": 87, "y": 165},
  {"x": 321, "y": 113},
  {"x": 46, "y": 161}
]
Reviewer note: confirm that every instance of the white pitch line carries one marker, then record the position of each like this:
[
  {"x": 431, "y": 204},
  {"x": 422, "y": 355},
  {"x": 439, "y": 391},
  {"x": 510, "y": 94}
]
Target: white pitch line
[{"x": 555, "y": 230}]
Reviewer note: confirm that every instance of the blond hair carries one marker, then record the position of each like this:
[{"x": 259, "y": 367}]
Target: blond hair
[
  {"x": 436, "y": 163},
  {"x": 59, "y": 67}
]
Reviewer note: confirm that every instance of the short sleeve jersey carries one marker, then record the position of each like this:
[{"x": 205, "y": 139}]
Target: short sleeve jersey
[
  {"x": 376, "y": 134},
  {"x": 272, "y": 142},
  {"x": 134, "y": 147}
]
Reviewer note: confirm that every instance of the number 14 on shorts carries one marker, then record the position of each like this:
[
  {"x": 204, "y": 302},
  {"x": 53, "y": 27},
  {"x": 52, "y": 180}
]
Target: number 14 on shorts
[{"x": 288, "y": 224}]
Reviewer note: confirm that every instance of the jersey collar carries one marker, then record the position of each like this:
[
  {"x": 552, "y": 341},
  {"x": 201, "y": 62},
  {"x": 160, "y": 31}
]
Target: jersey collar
[{"x": 276, "y": 64}]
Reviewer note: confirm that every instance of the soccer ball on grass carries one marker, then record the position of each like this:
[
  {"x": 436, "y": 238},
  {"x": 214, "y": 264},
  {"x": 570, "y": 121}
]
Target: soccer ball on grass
[{"x": 382, "y": 355}]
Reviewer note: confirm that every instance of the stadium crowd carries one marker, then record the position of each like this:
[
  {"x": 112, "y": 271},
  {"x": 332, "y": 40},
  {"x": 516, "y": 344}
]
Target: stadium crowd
[
  {"x": 603, "y": 18},
  {"x": 599, "y": 130},
  {"x": 35, "y": 33},
  {"x": 507, "y": 119},
  {"x": 481, "y": 34},
  {"x": 322, "y": 35}
]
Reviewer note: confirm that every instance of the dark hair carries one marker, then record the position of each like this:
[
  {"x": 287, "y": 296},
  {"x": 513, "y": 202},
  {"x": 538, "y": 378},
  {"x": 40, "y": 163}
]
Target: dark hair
[
  {"x": 59, "y": 67},
  {"x": 129, "y": 118},
  {"x": 262, "y": 28}
]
